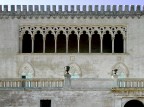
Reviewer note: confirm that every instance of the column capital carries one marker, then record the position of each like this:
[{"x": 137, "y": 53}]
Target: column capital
[
  {"x": 32, "y": 37},
  {"x": 90, "y": 37},
  {"x": 44, "y": 38},
  {"x": 101, "y": 37},
  {"x": 113, "y": 37},
  {"x": 78, "y": 37}
]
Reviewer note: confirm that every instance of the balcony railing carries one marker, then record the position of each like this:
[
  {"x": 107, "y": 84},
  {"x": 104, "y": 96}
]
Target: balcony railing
[
  {"x": 31, "y": 83},
  {"x": 83, "y": 84},
  {"x": 129, "y": 84}
]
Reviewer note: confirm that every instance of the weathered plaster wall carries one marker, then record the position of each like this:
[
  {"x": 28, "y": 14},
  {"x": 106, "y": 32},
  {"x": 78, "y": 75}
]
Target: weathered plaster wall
[
  {"x": 58, "y": 98},
  {"x": 51, "y": 65}
]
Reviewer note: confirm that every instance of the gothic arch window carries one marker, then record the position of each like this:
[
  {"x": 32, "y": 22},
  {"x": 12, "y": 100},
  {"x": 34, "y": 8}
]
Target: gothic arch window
[
  {"x": 122, "y": 70},
  {"x": 134, "y": 103},
  {"x": 26, "y": 70},
  {"x": 50, "y": 43},
  {"x": 84, "y": 43},
  {"x": 61, "y": 43},
  {"x": 26, "y": 43},
  {"x": 75, "y": 71},
  {"x": 38, "y": 43},
  {"x": 107, "y": 43},
  {"x": 32, "y": 39},
  {"x": 95, "y": 43},
  {"x": 72, "y": 43},
  {"x": 118, "y": 43}
]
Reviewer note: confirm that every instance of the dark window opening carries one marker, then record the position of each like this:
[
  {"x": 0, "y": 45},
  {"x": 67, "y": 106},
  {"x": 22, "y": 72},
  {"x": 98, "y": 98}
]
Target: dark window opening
[
  {"x": 134, "y": 103},
  {"x": 84, "y": 43},
  {"x": 95, "y": 43},
  {"x": 50, "y": 43},
  {"x": 45, "y": 103},
  {"x": 118, "y": 43},
  {"x": 61, "y": 43},
  {"x": 23, "y": 82},
  {"x": 26, "y": 43},
  {"x": 107, "y": 43},
  {"x": 72, "y": 43},
  {"x": 38, "y": 43},
  {"x": 23, "y": 77}
]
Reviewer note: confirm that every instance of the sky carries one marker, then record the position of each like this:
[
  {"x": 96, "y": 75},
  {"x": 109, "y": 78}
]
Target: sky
[{"x": 71, "y": 2}]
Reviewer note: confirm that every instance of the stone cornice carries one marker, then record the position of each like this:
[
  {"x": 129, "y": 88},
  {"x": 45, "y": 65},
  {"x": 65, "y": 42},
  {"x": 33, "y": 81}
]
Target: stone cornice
[{"x": 90, "y": 11}]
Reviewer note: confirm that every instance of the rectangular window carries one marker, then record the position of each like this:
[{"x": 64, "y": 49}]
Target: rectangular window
[{"x": 45, "y": 103}]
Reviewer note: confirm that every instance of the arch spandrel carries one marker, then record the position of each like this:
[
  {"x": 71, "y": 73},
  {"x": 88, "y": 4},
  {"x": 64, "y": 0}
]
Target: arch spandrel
[
  {"x": 109, "y": 30},
  {"x": 73, "y": 29},
  {"x": 26, "y": 70},
  {"x": 96, "y": 29},
  {"x": 59, "y": 30},
  {"x": 41, "y": 32}
]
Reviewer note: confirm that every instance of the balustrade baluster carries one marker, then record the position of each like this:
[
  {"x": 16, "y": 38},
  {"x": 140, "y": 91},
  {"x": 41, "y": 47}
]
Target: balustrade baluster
[
  {"x": 142, "y": 82},
  {"x": 31, "y": 83},
  {"x": 131, "y": 84},
  {"x": 0, "y": 83}
]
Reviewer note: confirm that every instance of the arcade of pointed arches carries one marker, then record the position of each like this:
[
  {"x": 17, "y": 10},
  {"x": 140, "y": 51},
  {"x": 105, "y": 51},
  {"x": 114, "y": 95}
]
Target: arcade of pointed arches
[{"x": 72, "y": 39}]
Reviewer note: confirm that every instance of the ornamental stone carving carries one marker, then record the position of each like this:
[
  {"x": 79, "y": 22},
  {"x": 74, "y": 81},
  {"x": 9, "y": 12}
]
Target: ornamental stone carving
[{"x": 26, "y": 70}]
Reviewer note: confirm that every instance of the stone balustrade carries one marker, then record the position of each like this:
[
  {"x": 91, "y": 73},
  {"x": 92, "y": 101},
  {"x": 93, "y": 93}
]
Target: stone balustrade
[
  {"x": 31, "y": 83},
  {"x": 131, "y": 83},
  {"x": 107, "y": 84},
  {"x": 48, "y": 11}
]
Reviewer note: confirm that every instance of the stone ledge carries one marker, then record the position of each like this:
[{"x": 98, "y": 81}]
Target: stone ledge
[{"x": 127, "y": 89}]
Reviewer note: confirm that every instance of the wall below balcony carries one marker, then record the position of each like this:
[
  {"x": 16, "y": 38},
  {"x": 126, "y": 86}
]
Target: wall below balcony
[{"x": 58, "y": 98}]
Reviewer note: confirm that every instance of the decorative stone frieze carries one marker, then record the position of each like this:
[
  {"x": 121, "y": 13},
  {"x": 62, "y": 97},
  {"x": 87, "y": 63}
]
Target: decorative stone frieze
[
  {"x": 90, "y": 11},
  {"x": 128, "y": 91},
  {"x": 101, "y": 30}
]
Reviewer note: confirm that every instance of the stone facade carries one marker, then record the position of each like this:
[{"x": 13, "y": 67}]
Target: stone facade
[{"x": 93, "y": 84}]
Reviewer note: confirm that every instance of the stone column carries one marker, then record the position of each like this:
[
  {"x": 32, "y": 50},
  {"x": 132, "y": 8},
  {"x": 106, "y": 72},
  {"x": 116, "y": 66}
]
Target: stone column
[
  {"x": 20, "y": 44},
  {"x": 78, "y": 44},
  {"x": 32, "y": 44},
  {"x": 89, "y": 44},
  {"x": 67, "y": 44},
  {"x": 113, "y": 44},
  {"x": 124, "y": 45},
  {"x": 55, "y": 44},
  {"x": 101, "y": 40},
  {"x": 44, "y": 39}
]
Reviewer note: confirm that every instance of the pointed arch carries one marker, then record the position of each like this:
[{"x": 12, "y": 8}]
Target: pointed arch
[
  {"x": 72, "y": 43},
  {"x": 38, "y": 43},
  {"x": 84, "y": 43},
  {"x": 122, "y": 70},
  {"x": 118, "y": 43},
  {"x": 95, "y": 43},
  {"x": 61, "y": 43},
  {"x": 49, "y": 43},
  {"x": 26, "y": 43},
  {"x": 27, "y": 70},
  {"x": 107, "y": 42},
  {"x": 75, "y": 70}
]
